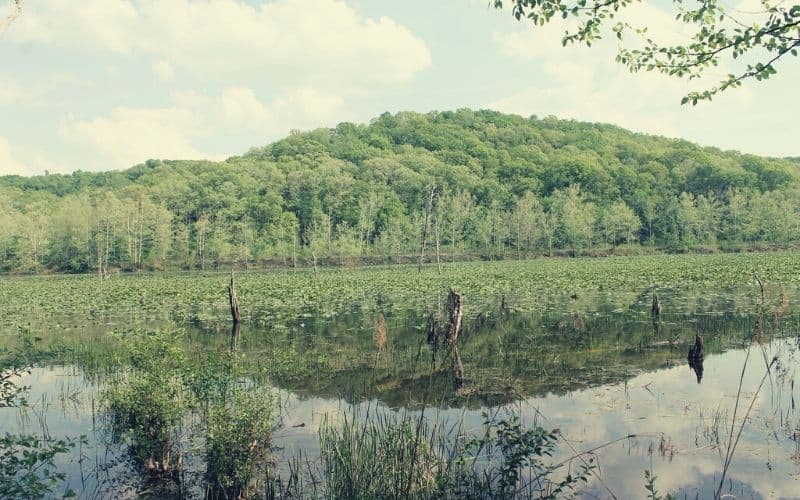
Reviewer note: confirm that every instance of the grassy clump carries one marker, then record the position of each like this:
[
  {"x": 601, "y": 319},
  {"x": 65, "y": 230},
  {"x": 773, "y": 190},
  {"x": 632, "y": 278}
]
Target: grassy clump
[
  {"x": 237, "y": 439},
  {"x": 161, "y": 389},
  {"x": 391, "y": 456},
  {"x": 147, "y": 401}
]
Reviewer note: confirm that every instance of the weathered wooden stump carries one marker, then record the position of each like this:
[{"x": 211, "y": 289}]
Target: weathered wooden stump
[
  {"x": 696, "y": 351},
  {"x": 656, "y": 309},
  {"x": 234, "y": 302},
  {"x": 454, "y": 311}
]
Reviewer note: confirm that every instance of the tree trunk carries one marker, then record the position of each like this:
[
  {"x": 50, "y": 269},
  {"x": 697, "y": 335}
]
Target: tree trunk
[
  {"x": 428, "y": 207},
  {"x": 438, "y": 257}
]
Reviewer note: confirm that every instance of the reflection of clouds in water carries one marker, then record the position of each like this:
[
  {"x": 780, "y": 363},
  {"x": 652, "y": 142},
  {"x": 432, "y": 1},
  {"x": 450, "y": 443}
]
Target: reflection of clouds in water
[
  {"x": 667, "y": 402},
  {"x": 59, "y": 396},
  {"x": 671, "y": 403}
]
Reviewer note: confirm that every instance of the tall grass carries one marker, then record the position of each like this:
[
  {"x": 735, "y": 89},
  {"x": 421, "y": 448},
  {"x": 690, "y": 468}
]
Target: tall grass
[
  {"x": 165, "y": 405},
  {"x": 394, "y": 456}
]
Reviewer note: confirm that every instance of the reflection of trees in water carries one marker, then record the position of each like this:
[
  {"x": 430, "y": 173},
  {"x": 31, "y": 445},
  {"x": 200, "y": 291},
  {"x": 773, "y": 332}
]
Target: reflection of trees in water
[{"x": 510, "y": 355}]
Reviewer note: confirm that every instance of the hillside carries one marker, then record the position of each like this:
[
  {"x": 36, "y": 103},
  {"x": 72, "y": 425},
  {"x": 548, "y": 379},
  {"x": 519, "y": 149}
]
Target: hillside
[{"x": 504, "y": 186}]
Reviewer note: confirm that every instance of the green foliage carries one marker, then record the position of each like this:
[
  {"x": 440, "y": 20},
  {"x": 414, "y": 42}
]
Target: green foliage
[
  {"x": 238, "y": 437},
  {"x": 507, "y": 185},
  {"x": 401, "y": 456},
  {"x": 27, "y": 465},
  {"x": 154, "y": 399},
  {"x": 27, "y": 461},
  {"x": 650, "y": 486},
  {"x": 720, "y": 34},
  {"x": 146, "y": 402}
]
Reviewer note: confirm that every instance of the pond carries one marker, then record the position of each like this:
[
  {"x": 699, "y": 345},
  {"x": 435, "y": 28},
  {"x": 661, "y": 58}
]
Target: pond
[{"x": 568, "y": 345}]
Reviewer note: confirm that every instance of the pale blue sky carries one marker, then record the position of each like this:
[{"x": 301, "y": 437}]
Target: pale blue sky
[{"x": 111, "y": 83}]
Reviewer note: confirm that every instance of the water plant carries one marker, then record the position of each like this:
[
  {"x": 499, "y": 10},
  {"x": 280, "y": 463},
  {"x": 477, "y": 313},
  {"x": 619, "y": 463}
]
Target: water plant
[
  {"x": 163, "y": 404},
  {"x": 27, "y": 460},
  {"x": 238, "y": 438},
  {"x": 389, "y": 455}
]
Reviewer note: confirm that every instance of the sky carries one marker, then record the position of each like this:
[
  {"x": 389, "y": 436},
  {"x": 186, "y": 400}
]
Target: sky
[{"x": 106, "y": 84}]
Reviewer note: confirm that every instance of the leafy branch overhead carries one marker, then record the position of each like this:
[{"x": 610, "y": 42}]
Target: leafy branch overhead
[
  {"x": 4, "y": 23},
  {"x": 752, "y": 41}
]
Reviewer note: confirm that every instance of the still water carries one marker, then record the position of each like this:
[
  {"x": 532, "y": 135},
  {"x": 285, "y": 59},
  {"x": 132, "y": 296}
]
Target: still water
[{"x": 596, "y": 367}]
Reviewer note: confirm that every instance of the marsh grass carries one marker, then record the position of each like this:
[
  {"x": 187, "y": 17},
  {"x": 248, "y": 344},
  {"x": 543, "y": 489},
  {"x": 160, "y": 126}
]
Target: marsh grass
[
  {"x": 238, "y": 439},
  {"x": 391, "y": 455},
  {"x": 163, "y": 405}
]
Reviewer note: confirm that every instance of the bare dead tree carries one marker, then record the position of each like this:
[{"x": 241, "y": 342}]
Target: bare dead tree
[
  {"x": 428, "y": 208},
  {"x": 234, "y": 302},
  {"x": 436, "y": 234}
]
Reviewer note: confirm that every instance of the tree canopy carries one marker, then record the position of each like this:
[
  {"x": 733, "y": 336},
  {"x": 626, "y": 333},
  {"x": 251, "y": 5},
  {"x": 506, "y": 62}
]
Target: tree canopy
[
  {"x": 751, "y": 41},
  {"x": 506, "y": 186}
]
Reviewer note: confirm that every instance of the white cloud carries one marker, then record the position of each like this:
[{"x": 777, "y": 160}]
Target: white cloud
[
  {"x": 163, "y": 70},
  {"x": 585, "y": 83},
  {"x": 8, "y": 164},
  {"x": 310, "y": 103},
  {"x": 12, "y": 92},
  {"x": 531, "y": 43},
  {"x": 546, "y": 41},
  {"x": 42, "y": 165},
  {"x": 131, "y": 135},
  {"x": 127, "y": 136},
  {"x": 293, "y": 41}
]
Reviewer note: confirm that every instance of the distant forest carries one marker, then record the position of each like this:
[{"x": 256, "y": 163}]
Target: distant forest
[{"x": 498, "y": 186}]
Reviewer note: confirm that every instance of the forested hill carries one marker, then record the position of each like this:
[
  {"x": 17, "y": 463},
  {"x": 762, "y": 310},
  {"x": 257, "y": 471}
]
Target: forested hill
[{"x": 503, "y": 186}]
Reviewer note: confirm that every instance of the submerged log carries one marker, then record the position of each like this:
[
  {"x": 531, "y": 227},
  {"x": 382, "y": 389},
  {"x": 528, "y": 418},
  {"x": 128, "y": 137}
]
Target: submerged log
[{"x": 234, "y": 302}]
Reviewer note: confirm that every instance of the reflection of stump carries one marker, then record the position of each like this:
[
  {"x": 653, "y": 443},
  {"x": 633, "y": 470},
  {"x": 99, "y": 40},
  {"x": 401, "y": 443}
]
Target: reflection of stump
[
  {"x": 433, "y": 334},
  {"x": 458, "y": 370},
  {"x": 656, "y": 327},
  {"x": 697, "y": 351},
  {"x": 235, "y": 337},
  {"x": 380, "y": 332},
  {"x": 696, "y": 364}
]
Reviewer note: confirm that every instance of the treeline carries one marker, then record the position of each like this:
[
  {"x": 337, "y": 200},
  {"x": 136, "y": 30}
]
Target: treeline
[{"x": 502, "y": 186}]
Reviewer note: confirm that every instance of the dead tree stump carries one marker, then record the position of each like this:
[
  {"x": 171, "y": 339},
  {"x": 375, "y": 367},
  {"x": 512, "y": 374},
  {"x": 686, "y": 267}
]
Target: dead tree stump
[
  {"x": 697, "y": 351},
  {"x": 234, "y": 302},
  {"x": 656, "y": 309},
  {"x": 454, "y": 311}
]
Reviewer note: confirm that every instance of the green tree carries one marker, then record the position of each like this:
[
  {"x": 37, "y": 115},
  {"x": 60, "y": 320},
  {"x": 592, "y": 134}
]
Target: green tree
[
  {"x": 619, "y": 223},
  {"x": 576, "y": 218}
]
